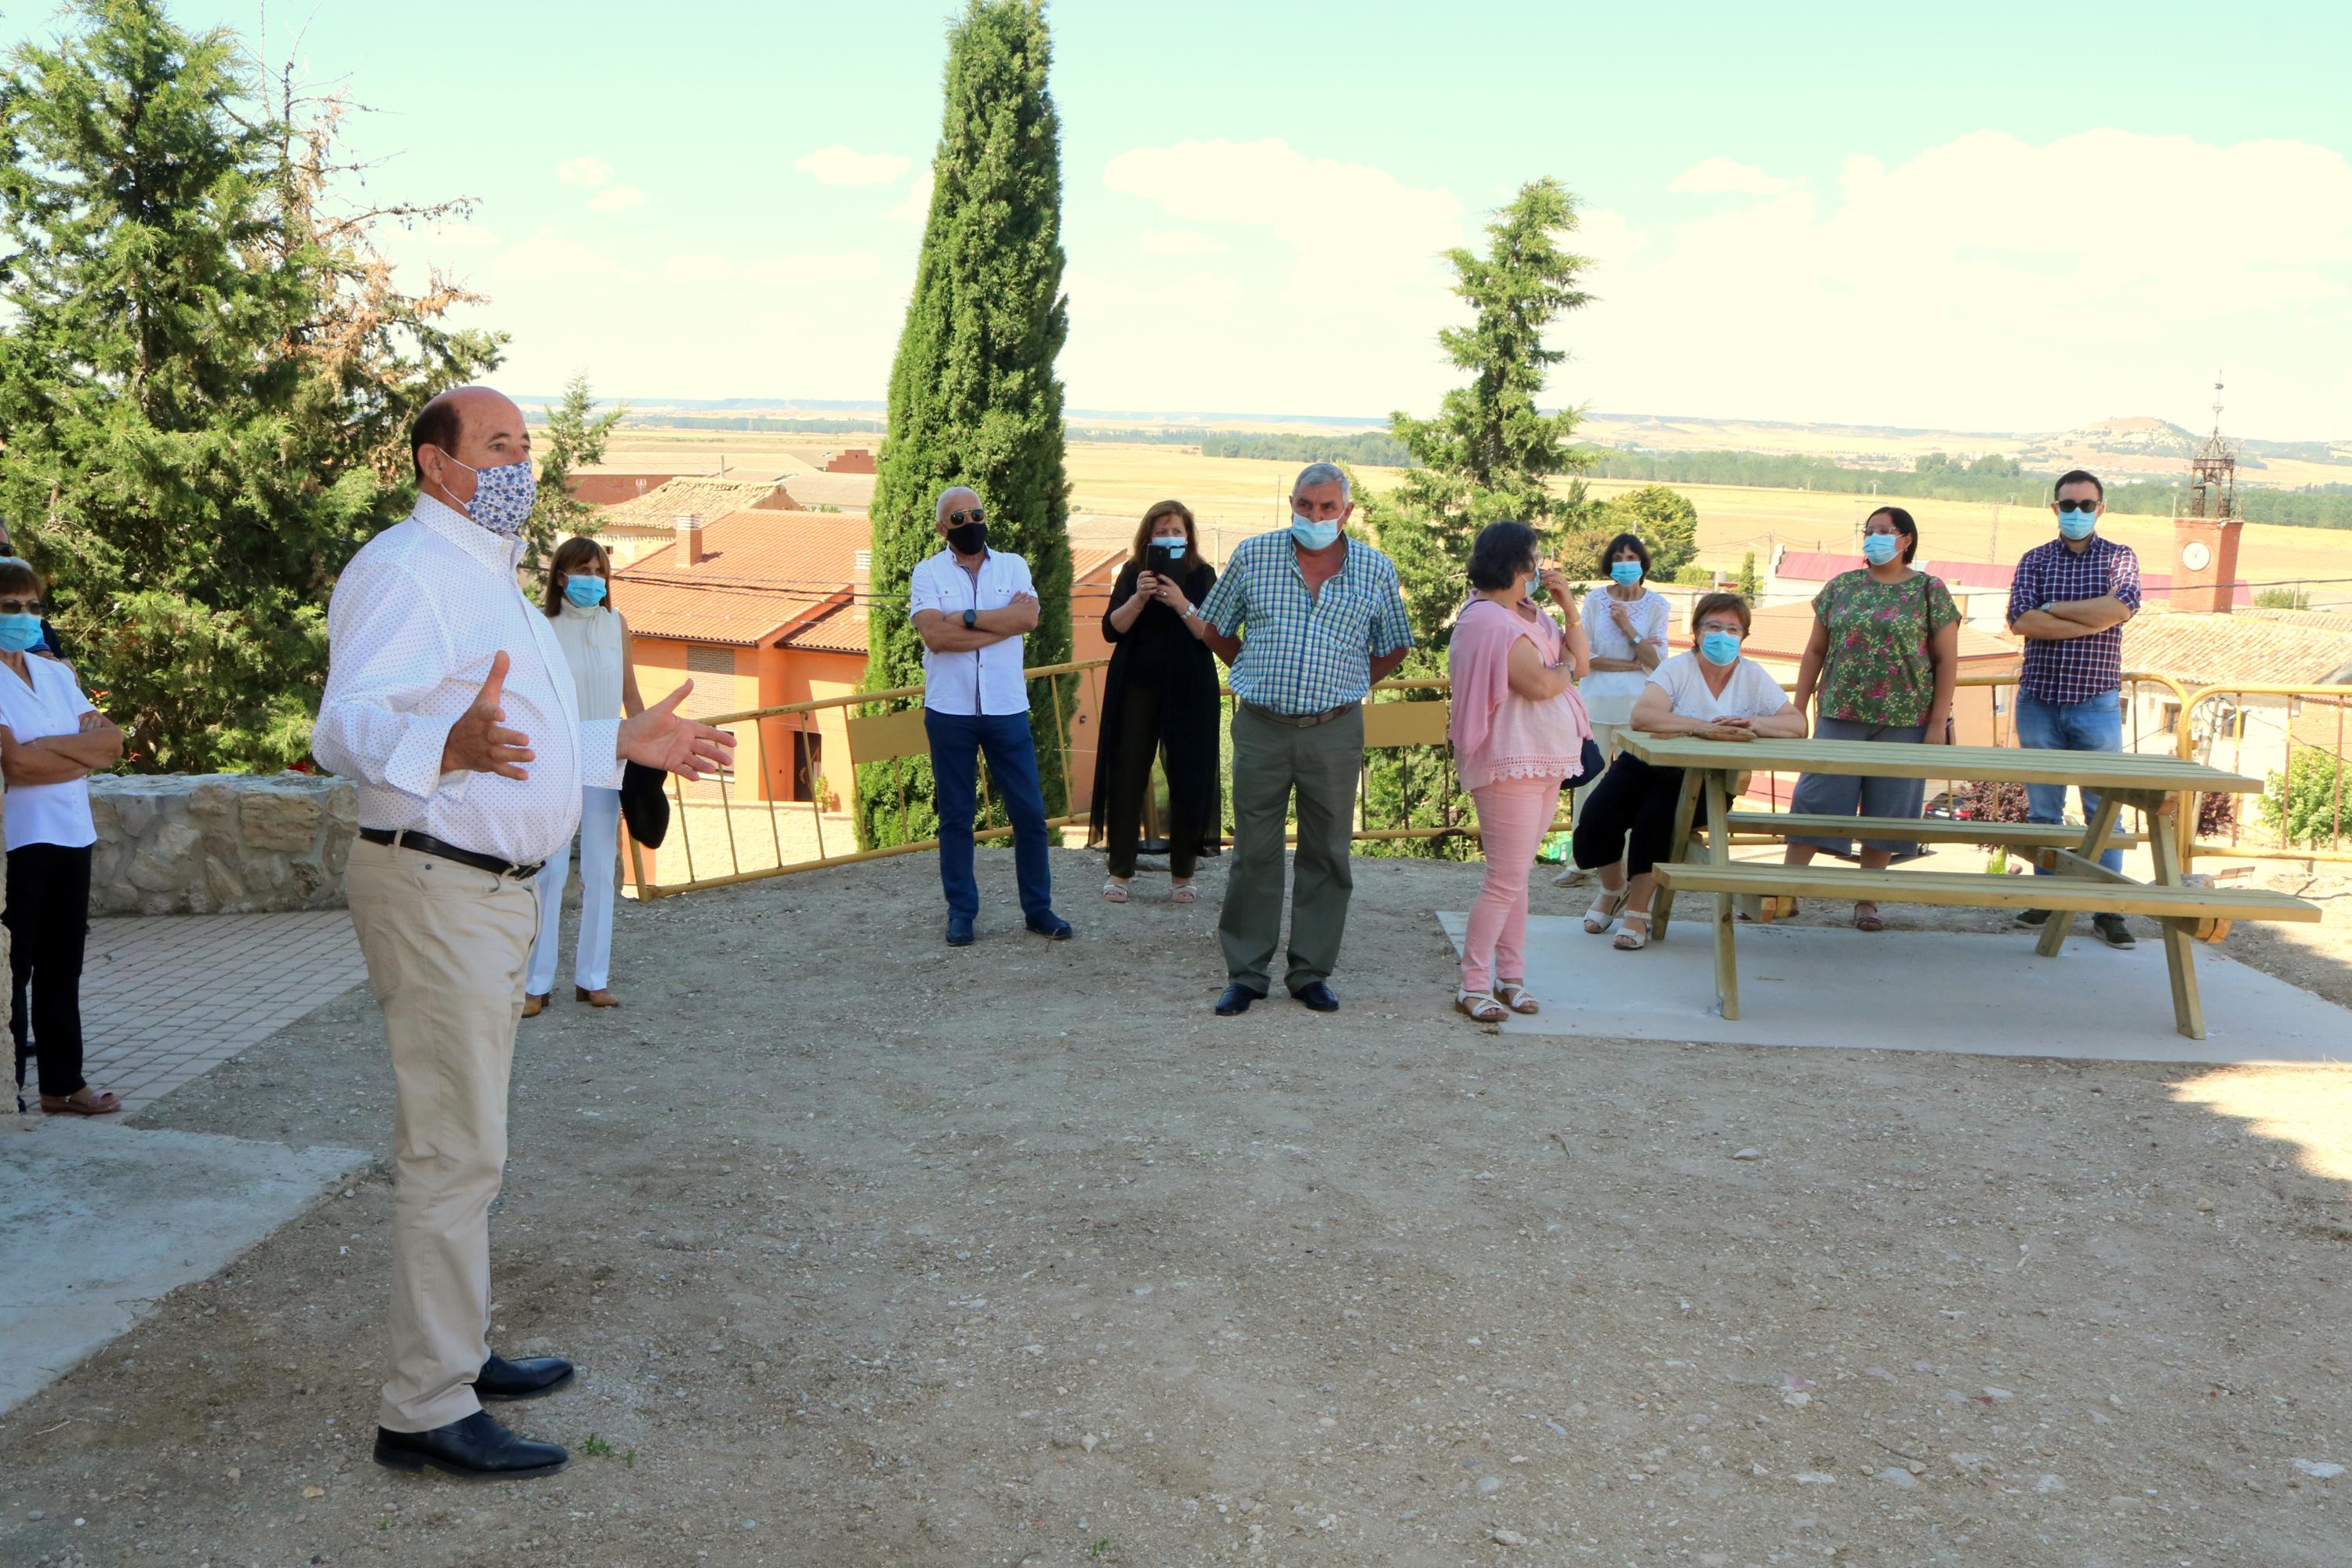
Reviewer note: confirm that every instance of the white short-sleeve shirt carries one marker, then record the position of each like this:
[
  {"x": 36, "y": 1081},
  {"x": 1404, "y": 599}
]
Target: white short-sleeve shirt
[
  {"x": 52, "y": 705},
  {"x": 1751, "y": 693},
  {"x": 988, "y": 679}
]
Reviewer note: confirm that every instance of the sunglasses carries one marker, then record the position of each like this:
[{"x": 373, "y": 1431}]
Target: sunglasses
[
  {"x": 2078, "y": 506},
  {"x": 20, "y": 606},
  {"x": 958, "y": 519}
]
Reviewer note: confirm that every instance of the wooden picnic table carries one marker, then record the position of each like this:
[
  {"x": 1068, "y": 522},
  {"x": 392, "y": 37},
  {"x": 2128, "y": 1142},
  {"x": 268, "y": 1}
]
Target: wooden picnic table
[{"x": 2147, "y": 783}]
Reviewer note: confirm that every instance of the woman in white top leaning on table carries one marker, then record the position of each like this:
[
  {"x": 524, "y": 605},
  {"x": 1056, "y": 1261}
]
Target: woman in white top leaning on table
[
  {"x": 1626, "y": 621},
  {"x": 1711, "y": 692},
  {"x": 595, "y": 641}
]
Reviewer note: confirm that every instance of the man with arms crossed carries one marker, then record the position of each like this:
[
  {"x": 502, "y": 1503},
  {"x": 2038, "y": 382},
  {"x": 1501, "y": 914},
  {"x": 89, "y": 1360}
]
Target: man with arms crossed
[
  {"x": 449, "y": 700},
  {"x": 1324, "y": 618},
  {"x": 972, "y": 605},
  {"x": 2069, "y": 601}
]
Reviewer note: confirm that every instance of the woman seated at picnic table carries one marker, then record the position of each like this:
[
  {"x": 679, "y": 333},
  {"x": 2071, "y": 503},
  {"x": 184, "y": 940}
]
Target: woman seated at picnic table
[
  {"x": 1884, "y": 657},
  {"x": 1712, "y": 692},
  {"x": 1520, "y": 731}
]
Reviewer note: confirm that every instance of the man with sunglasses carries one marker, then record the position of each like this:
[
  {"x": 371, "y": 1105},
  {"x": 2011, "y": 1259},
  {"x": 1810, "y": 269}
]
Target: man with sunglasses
[
  {"x": 2069, "y": 601},
  {"x": 972, "y": 606}
]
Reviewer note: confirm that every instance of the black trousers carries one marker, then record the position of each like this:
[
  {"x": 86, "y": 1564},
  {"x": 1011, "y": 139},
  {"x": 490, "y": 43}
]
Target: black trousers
[
  {"x": 1138, "y": 743},
  {"x": 48, "y": 926},
  {"x": 1633, "y": 797}
]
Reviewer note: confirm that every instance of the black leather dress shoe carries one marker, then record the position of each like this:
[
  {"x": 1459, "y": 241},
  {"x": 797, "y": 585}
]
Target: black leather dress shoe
[
  {"x": 502, "y": 1379},
  {"x": 475, "y": 1449},
  {"x": 1236, "y": 1000},
  {"x": 1051, "y": 926},
  {"x": 959, "y": 932},
  {"x": 1319, "y": 995}
]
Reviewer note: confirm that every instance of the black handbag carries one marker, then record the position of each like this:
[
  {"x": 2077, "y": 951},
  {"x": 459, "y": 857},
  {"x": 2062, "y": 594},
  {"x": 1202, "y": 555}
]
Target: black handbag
[
  {"x": 1589, "y": 764},
  {"x": 645, "y": 806}
]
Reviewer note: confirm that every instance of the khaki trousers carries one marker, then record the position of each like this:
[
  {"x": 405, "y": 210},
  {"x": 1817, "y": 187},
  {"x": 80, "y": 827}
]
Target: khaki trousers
[
  {"x": 446, "y": 948},
  {"x": 1273, "y": 762}
]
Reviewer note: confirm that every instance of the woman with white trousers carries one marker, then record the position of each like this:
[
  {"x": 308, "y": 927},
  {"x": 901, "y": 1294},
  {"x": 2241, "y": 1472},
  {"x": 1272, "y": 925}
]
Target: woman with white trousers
[{"x": 595, "y": 642}]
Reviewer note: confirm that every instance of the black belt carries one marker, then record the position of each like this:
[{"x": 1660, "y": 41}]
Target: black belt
[
  {"x": 425, "y": 844},
  {"x": 1302, "y": 720}
]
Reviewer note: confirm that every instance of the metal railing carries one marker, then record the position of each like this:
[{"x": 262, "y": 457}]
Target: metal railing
[
  {"x": 802, "y": 834},
  {"x": 2305, "y": 804}
]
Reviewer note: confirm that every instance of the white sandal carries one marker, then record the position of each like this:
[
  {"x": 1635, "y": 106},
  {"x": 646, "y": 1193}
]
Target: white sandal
[
  {"x": 1631, "y": 941},
  {"x": 1604, "y": 911},
  {"x": 1515, "y": 995},
  {"x": 1479, "y": 1006},
  {"x": 1113, "y": 892}
]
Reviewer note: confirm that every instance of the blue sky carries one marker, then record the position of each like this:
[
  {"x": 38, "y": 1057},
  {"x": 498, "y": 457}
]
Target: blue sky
[{"x": 2008, "y": 218}]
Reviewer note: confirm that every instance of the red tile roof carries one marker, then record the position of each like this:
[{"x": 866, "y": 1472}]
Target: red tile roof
[
  {"x": 2209, "y": 648},
  {"x": 611, "y": 490},
  {"x": 760, "y": 572},
  {"x": 842, "y": 630}
]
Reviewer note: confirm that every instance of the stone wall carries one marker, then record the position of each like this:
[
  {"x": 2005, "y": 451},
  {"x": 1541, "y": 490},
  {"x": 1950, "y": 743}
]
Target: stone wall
[{"x": 227, "y": 843}]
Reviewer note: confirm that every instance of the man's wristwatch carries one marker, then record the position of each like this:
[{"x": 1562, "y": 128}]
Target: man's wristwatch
[{"x": 970, "y": 620}]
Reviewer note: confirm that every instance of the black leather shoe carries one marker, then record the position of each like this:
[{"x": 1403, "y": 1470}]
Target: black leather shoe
[
  {"x": 1051, "y": 926},
  {"x": 959, "y": 932},
  {"x": 475, "y": 1449},
  {"x": 1319, "y": 995},
  {"x": 2031, "y": 917},
  {"x": 502, "y": 1379},
  {"x": 1236, "y": 1000},
  {"x": 2111, "y": 929}
]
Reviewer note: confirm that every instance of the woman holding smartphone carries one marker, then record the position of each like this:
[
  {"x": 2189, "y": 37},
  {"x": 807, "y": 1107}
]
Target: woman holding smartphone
[{"x": 1159, "y": 700}]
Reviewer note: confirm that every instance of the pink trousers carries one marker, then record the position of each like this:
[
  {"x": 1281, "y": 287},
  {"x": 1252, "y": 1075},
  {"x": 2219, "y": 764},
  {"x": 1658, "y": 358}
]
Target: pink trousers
[{"x": 1514, "y": 814}]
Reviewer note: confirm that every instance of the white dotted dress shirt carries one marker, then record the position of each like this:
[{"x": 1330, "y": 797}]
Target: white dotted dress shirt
[{"x": 415, "y": 620}]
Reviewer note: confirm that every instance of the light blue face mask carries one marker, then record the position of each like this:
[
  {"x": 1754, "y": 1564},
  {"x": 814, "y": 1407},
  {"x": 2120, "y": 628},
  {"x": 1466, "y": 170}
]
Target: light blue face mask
[
  {"x": 19, "y": 634},
  {"x": 1311, "y": 535},
  {"x": 2077, "y": 524},
  {"x": 1878, "y": 549},
  {"x": 502, "y": 496},
  {"x": 1625, "y": 573},
  {"x": 1719, "y": 647},
  {"x": 585, "y": 592},
  {"x": 1175, "y": 548}
]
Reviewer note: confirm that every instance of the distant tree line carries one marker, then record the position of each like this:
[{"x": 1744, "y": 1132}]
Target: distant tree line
[
  {"x": 754, "y": 422},
  {"x": 1366, "y": 448}
]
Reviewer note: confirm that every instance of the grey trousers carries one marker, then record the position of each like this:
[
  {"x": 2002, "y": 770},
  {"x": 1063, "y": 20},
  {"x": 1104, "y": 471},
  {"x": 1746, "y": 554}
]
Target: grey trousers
[{"x": 1320, "y": 765}]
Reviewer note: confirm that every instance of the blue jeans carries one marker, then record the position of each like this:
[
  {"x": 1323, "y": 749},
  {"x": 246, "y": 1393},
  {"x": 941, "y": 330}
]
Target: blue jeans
[
  {"x": 2096, "y": 725},
  {"x": 957, "y": 740}
]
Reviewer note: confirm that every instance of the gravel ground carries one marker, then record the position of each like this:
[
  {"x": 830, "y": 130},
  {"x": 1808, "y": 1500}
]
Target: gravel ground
[{"x": 873, "y": 1253}]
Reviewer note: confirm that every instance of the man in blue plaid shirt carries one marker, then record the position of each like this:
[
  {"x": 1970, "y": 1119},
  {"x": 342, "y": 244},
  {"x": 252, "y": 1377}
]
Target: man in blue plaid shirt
[
  {"x": 1323, "y": 618},
  {"x": 2069, "y": 601}
]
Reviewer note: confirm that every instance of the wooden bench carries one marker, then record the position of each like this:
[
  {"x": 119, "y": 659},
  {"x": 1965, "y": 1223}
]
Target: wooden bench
[{"x": 1921, "y": 831}]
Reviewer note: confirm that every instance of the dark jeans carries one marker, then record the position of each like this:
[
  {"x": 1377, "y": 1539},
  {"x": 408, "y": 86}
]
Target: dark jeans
[
  {"x": 1136, "y": 744},
  {"x": 1633, "y": 797},
  {"x": 48, "y": 925},
  {"x": 957, "y": 740}
]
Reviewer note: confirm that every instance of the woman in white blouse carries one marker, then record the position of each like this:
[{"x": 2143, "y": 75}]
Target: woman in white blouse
[
  {"x": 1626, "y": 621},
  {"x": 596, "y": 644},
  {"x": 51, "y": 740}
]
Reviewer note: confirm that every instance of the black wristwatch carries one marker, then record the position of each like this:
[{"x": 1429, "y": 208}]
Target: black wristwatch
[{"x": 970, "y": 619}]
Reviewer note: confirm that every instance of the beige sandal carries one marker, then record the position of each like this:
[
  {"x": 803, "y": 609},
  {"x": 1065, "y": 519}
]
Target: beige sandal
[
  {"x": 1184, "y": 892},
  {"x": 1113, "y": 892},
  {"x": 1515, "y": 995},
  {"x": 1630, "y": 940},
  {"x": 1604, "y": 911},
  {"x": 1479, "y": 1006},
  {"x": 83, "y": 1101}
]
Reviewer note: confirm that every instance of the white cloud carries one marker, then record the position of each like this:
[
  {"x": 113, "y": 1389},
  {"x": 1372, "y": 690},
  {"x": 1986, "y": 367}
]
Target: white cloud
[
  {"x": 916, "y": 207},
  {"x": 547, "y": 255},
  {"x": 844, "y": 266},
  {"x": 838, "y": 165},
  {"x": 1722, "y": 177},
  {"x": 1990, "y": 283},
  {"x": 616, "y": 198},
  {"x": 1178, "y": 242},
  {"x": 584, "y": 170},
  {"x": 1270, "y": 183},
  {"x": 697, "y": 267}
]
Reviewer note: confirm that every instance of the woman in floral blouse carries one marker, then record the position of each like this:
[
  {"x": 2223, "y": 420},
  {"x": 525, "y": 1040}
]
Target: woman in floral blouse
[{"x": 1883, "y": 660}]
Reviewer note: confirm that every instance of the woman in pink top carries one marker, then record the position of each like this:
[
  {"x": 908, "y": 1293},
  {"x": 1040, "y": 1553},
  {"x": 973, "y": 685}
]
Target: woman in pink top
[{"x": 1518, "y": 731}]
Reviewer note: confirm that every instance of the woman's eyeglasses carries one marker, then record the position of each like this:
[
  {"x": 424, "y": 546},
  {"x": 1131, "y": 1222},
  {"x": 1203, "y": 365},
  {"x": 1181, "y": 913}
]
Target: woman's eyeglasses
[{"x": 20, "y": 606}]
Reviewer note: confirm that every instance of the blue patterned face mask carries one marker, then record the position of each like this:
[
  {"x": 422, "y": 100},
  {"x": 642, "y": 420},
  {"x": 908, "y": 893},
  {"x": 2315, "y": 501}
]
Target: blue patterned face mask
[
  {"x": 1878, "y": 549},
  {"x": 502, "y": 496}
]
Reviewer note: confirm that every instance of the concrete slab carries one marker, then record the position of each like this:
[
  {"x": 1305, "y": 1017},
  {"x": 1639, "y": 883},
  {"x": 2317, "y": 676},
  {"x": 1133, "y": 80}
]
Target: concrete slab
[
  {"x": 1980, "y": 994},
  {"x": 98, "y": 1221}
]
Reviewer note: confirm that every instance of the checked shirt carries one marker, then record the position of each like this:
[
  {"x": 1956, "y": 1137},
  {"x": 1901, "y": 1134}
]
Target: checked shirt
[
  {"x": 2074, "y": 669},
  {"x": 1306, "y": 653}
]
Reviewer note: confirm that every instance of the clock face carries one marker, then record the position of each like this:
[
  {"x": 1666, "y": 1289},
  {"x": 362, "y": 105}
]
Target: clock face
[{"x": 2197, "y": 556}]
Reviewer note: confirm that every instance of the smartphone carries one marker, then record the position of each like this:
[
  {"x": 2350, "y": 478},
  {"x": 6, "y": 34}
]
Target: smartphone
[{"x": 1158, "y": 561}]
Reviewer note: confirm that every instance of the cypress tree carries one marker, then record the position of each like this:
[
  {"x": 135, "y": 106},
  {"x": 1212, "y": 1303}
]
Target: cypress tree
[
  {"x": 1488, "y": 456},
  {"x": 975, "y": 399},
  {"x": 205, "y": 378}
]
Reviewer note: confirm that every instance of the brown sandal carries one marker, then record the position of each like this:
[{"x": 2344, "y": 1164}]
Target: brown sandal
[{"x": 83, "y": 1101}]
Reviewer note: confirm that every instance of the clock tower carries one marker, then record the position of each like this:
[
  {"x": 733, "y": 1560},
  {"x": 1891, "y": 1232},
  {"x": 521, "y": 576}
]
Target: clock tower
[{"x": 2205, "y": 528}]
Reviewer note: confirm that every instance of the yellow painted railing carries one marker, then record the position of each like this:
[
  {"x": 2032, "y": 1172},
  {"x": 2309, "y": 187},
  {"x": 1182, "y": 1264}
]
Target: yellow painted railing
[{"x": 2220, "y": 738}]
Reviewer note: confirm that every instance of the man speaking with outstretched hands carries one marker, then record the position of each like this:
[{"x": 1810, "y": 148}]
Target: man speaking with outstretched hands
[{"x": 449, "y": 700}]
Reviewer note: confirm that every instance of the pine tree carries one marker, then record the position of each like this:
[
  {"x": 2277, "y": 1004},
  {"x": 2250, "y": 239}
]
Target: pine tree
[
  {"x": 973, "y": 395},
  {"x": 1488, "y": 456},
  {"x": 573, "y": 437},
  {"x": 1751, "y": 586},
  {"x": 205, "y": 381}
]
